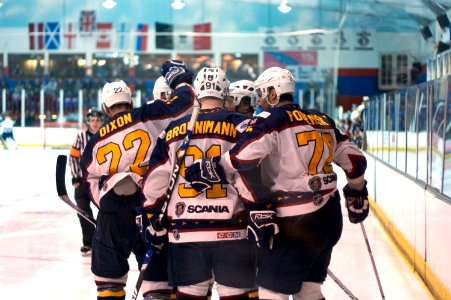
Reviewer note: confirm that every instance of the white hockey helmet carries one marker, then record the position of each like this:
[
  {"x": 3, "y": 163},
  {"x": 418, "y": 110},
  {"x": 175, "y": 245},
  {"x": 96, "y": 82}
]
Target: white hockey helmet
[
  {"x": 280, "y": 79},
  {"x": 161, "y": 88},
  {"x": 243, "y": 88},
  {"x": 211, "y": 82},
  {"x": 116, "y": 92}
]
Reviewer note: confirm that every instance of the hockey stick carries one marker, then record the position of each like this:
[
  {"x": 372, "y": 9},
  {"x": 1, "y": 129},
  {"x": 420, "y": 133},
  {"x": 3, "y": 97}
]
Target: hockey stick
[
  {"x": 174, "y": 176},
  {"x": 372, "y": 261},
  {"x": 341, "y": 285},
  {"x": 61, "y": 163}
]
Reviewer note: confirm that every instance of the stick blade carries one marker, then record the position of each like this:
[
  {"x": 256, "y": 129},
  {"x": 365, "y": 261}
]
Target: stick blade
[{"x": 61, "y": 163}]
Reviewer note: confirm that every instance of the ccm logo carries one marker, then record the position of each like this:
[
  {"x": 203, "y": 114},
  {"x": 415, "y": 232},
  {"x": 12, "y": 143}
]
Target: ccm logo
[{"x": 229, "y": 235}]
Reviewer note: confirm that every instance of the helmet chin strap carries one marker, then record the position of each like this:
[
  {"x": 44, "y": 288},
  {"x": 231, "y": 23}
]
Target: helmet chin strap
[{"x": 269, "y": 102}]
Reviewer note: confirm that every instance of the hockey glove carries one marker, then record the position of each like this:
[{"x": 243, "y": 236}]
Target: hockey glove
[
  {"x": 262, "y": 228},
  {"x": 356, "y": 203},
  {"x": 152, "y": 231},
  {"x": 169, "y": 64},
  {"x": 203, "y": 173},
  {"x": 175, "y": 73}
]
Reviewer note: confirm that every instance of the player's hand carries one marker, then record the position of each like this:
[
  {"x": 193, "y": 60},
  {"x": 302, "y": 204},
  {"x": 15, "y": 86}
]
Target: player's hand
[
  {"x": 356, "y": 203},
  {"x": 262, "y": 228},
  {"x": 203, "y": 173},
  {"x": 152, "y": 231},
  {"x": 175, "y": 73}
]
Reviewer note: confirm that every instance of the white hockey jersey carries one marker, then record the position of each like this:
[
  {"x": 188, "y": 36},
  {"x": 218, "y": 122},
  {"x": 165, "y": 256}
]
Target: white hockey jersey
[
  {"x": 296, "y": 149},
  {"x": 122, "y": 147},
  {"x": 219, "y": 212}
]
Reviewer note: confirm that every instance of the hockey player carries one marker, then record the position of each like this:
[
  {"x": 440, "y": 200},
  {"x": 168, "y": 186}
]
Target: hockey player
[
  {"x": 7, "y": 136},
  {"x": 114, "y": 161},
  {"x": 295, "y": 149},
  {"x": 206, "y": 231},
  {"x": 94, "y": 120},
  {"x": 242, "y": 97}
]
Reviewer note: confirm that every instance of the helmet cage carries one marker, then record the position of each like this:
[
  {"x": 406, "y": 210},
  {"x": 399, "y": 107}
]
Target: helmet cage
[{"x": 243, "y": 90}]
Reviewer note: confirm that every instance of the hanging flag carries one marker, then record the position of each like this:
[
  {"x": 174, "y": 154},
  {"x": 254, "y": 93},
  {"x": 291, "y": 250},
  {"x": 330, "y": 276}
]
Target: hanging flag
[
  {"x": 202, "y": 42},
  {"x": 123, "y": 36},
  {"x": 69, "y": 36},
  {"x": 52, "y": 38},
  {"x": 87, "y": 22},
  {"x": 163, "y": 37},
  {"x": 104, "y": 35},
  {"x": 141, "y": 37},
  {"x": 36, "y": 36}
]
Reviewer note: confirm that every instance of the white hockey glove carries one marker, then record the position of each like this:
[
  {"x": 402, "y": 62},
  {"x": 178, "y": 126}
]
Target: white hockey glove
[
  {"x": 203, "y": 173},
  {"x": 356, "y": 203},
  {"x": 262, "y": 228}
]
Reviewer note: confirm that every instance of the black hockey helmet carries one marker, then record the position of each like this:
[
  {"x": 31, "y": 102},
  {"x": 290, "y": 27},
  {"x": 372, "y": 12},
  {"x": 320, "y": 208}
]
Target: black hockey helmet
[{"x": 95, "y": 112}]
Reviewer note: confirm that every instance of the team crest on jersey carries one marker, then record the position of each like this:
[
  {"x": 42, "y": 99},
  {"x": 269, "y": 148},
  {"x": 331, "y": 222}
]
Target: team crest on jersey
[
  {"x": 176, "y": 234},
  {"x": 315, "y": 183},
  {"x": 179, "y": 208}
]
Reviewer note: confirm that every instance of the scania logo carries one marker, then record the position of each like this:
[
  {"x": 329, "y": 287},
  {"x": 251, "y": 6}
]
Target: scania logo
[{"x": 197, "y": 209}]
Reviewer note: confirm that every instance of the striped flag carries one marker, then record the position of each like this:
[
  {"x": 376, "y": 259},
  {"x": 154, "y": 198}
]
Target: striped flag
[
  {"x": 123, "y": 36},
  {"x": 36, "y": 36},
  {"x": 104, "y": 35},
  {"x": 141, "y": 37}
]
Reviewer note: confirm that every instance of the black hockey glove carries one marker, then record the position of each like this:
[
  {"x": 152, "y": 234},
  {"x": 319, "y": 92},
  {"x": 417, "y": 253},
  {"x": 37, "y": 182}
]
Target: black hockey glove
[
  {"x": 175, "y": 73},
  {"x": 356, "y": 203},
  {"x": 152, "y": 232},
  {"x": 203, "y": 173},
  {"x": 262, "y": 228}
]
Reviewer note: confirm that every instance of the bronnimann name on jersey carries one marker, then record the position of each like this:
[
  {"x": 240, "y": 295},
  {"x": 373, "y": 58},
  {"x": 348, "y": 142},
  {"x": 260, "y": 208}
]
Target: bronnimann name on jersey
[{"x": 204, "y": 127}]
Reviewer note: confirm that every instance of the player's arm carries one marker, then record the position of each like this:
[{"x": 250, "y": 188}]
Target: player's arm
[
  {"x": 157, "y": 177},
  {"x": 88, "y": 166},
  {"x": 351, "y": 159},
  {"x": 254, "y": 145},
  {"x": 74, "y": 162}
]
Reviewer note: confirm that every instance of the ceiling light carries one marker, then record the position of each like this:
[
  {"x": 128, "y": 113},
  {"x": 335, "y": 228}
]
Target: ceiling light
[
  {"x": 284, "y": 6},
  {"x": 109, "y": 4},
  {"x": 178, "y": 4}
]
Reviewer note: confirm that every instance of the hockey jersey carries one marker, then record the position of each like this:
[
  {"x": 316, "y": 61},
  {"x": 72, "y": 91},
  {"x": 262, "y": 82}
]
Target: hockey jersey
[
  {"x": 296, "y": 149},
  {"x": 122, "y": 147},
  {"x": 75, "y": 155},
  {"x": 217, "y": 213}
]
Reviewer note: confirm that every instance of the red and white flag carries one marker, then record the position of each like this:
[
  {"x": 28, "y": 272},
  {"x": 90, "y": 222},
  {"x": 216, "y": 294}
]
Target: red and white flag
[
  {"x": 70, "y": 36},
  {"x": 36, "y": 35},
  {"x": 202, "y": 42},
  {"x": 104, "y": 35}
]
